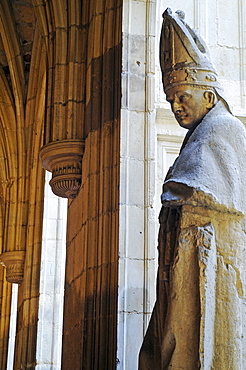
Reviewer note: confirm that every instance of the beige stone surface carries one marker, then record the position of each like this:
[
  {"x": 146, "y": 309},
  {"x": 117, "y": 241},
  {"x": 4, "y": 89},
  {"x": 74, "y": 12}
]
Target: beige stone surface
[
  {"x": 197, "y": 318},
  {"x": 22, "y": 113},
  {"x": 220, "y": 255},
  {"x": 91, "y": 287},
  {"x": 203, "y": 325},
  {"x": 92, "y": 258},
  {"x": 80, "y": 97}
]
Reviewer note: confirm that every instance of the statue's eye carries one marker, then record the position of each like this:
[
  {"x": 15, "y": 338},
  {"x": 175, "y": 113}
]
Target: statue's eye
[{"x": 184, "y": 97}]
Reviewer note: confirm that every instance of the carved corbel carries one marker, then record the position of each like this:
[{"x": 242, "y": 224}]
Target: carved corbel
[
  {"x": 14, "y": 263},
  {"x": 64, "y": 159},
  {"x": 65, "y": 100}
]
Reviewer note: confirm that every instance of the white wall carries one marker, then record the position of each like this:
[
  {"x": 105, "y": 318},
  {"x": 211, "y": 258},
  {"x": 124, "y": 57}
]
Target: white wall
[
  {"x": 12, "y": 327},
  {"x": 50, "y": 316},
  {"x": 137, "y": 250}
]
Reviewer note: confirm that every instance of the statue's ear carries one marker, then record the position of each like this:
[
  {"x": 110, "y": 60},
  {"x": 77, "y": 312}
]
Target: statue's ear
[{"x": 210, "y": 98}]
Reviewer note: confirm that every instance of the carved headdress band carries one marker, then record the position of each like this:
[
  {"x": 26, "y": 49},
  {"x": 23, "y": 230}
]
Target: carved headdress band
[{"x": 184, "y": 57}]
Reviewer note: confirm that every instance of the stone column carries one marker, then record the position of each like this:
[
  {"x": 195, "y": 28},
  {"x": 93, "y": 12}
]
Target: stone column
[
  {"x": 28, "y": 293},
  {"x": 13, "y": 155},
  {"x": 138, "y": 239},
  {"x": 60, "y": 25},
  {"x": 91, "y": 287},
  {"x": 22, "y": 112}
]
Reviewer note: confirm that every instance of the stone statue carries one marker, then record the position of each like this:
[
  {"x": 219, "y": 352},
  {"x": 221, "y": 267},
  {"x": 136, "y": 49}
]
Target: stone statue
[{"x": 197, "y": 318}]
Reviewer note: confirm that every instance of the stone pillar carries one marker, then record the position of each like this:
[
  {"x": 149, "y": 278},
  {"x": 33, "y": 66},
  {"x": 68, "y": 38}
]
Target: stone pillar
[
  {"x": 13, "y": 155},
  {"x": 137, "y": 248},
  {"x": 22, "y": 112},
  {"x": 91, "y": 287},
  {"x": 60, "y": 25},
  {"x": 28, "y": 293}
]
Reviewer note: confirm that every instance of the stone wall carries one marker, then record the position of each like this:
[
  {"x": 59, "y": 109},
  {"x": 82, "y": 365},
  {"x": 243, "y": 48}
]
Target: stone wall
[{"x": 137, "y": 180}]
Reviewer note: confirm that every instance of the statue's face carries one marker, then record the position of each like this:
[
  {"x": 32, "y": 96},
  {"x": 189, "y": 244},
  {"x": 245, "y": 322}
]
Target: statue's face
[{"x": 189, "y": 104}]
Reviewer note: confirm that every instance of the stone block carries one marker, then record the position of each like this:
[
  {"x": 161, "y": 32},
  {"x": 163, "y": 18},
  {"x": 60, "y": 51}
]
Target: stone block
[
  {"x": 231, "y": 38},
  {"x": 138, "y": 18},
  {"x": 132, "y": 343},
  {"x": 136, "y": 231},
  {"x": 137, "y": 93},
  {"x": 136, "y": 129},
  {"x": 23, "y": 13},
  {"x": 134, "y": 287},
  {"x": 137, "y": 50},
  {"x": 52, "y": 229},
  {"x": 72, "y": 359},
  {"x": 137, "y": 180},
  {"x": 74, "y": 303}
]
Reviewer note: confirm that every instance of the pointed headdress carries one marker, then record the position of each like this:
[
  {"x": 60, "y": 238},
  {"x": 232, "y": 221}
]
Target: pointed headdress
[{"x": 184, "y": 57}]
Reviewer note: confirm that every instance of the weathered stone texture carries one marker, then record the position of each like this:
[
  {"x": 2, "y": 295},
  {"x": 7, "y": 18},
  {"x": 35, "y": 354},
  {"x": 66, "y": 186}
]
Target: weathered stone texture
[
  {"x": 220, "y": 256},
  {"x": 85, "y": 98},
  {"x": 22, "y": 113},
  {"x": 201, "y": 297},
  {"x": 91, "y": 289},
  {"x": 196, "y": 321},
  {"x": 137, "y": 241},
  {"x": 92, "y": 259}
]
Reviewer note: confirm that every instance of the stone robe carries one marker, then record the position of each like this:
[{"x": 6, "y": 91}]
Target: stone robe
[{"x": 197, "y": 321}]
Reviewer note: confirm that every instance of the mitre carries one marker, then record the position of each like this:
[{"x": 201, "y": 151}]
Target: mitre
[{"x": 184, "y": 56}]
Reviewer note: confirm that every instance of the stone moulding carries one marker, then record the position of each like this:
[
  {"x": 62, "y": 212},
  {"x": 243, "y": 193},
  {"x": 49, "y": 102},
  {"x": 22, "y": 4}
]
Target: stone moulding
[
  {"x": 14, "y": 263},
  {"x": 64, "y": 159}
]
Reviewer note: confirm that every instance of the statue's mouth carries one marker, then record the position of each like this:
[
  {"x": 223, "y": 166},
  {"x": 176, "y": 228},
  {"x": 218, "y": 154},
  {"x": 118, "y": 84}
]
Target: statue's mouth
[{"x": 181, "y": 116}]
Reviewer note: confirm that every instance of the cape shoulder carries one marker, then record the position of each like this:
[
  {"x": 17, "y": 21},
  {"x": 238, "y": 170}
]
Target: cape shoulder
[{"x": 213, "y": 161}]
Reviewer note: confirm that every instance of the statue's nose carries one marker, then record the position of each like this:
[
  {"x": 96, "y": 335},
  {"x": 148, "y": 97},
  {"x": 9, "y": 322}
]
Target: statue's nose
[{"x": 177, "y": 107}]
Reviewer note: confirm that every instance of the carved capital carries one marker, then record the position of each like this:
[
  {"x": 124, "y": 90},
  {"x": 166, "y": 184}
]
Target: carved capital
[
  {"x": 14, "y": 263},
  {"x": 64, "y": 159}
]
